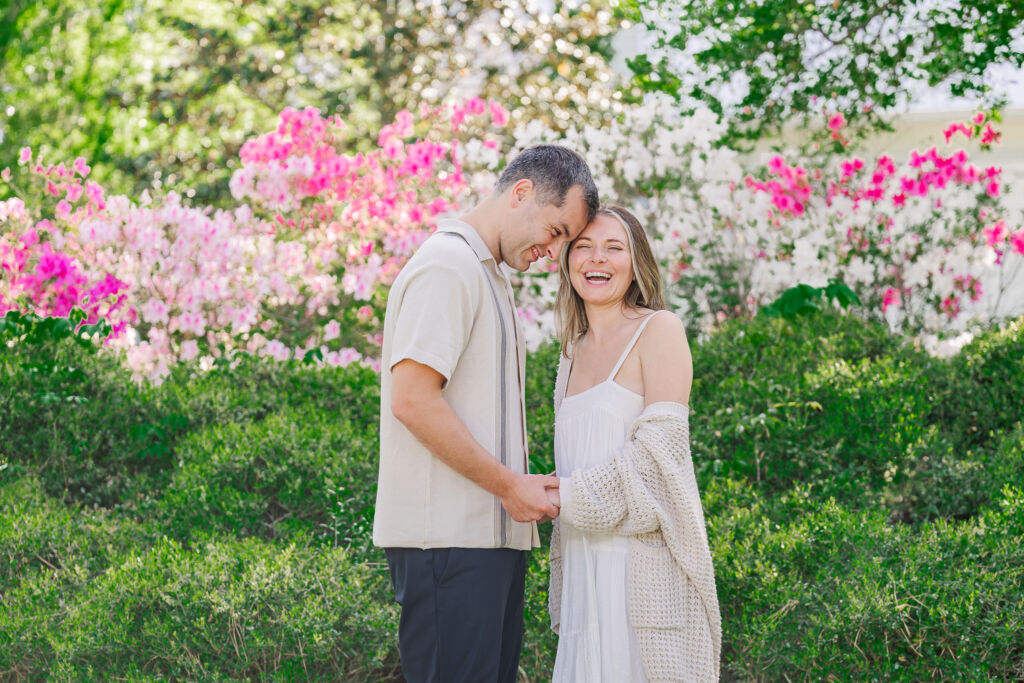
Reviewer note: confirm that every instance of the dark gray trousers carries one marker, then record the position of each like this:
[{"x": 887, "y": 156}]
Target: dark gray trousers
[{"x": 462, "y": 613}]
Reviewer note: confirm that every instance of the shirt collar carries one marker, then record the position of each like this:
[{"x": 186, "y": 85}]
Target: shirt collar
[{"x": 474, "y": 239}]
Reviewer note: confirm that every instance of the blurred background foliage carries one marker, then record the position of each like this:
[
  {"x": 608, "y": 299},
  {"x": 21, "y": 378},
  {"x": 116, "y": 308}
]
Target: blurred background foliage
[
  {"x": 162, "y": 93},
  {"x": 762, "y": 64}
]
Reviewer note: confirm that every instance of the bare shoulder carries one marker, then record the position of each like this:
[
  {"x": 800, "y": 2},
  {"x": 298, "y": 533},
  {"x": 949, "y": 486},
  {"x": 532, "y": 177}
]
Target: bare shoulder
[
  {"x": 664, "y": 331},
  {"x": 665, "y": 360}
]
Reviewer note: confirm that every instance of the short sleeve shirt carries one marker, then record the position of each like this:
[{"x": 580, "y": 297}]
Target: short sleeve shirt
[{"x": 452, "y": 309}]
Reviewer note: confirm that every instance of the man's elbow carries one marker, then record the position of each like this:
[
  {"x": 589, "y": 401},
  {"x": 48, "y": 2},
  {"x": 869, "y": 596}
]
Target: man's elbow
[
  {"x": 403, "y": 408},
  {"x": 413, "y": 390}
]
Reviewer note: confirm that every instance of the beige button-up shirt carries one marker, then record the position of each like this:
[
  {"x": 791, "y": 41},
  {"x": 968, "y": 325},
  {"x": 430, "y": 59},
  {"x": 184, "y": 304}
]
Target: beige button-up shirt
[{"x": 452, "y": 308}]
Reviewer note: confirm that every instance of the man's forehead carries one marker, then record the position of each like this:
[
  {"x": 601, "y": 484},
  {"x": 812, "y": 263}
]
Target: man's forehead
[{"x": 574, "y": 211}]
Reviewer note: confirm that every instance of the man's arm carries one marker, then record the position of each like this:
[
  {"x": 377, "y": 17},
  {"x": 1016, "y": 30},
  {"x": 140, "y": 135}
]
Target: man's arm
[{"x": 417, "y": 403}]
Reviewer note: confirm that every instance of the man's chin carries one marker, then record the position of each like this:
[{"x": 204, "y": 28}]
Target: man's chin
[{"x": 522, "y": 265}]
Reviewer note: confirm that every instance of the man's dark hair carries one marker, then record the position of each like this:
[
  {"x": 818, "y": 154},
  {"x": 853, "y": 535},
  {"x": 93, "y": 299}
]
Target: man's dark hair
[{"x": 553, "y": 170}]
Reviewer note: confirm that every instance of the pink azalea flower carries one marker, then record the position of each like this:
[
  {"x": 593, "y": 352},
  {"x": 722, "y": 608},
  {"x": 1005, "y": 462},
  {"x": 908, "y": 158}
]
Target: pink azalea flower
[
  {"x": 989, "y": 136},
  {"x": 1017, "y": 241},
  {"x": 836, "y": 122},
  {"x": 995, "y": 233},
  {"x": 891, "y": 297},
  {"x": 950, "y": 306},
  {"x": 499, "y": 115},
  {"x": 25, "y": 155},
  {"x": 189, "y": 349}
]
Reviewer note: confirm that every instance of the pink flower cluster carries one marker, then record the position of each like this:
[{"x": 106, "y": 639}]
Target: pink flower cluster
[
  {"x": 365, "y": 212},
  {"x": 789, "y": 192},
  {"x": 878, "y": 192},
  {"x": 930, "y": 171},
  {"x": 328, "y": 230},
  {"x": 42, "y": 272},
  {"x": 973, "y": 128}
]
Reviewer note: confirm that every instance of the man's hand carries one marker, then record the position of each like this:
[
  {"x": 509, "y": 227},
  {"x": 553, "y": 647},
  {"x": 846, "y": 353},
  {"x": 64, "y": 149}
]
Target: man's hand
[{"x": 526, "y": 497}]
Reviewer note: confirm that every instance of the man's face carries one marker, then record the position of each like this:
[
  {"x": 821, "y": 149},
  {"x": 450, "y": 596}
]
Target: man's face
[{"x": 535, "y": 231}]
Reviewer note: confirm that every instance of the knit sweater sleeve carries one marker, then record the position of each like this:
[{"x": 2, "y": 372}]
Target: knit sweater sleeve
[{"x": 623, "y": 495}]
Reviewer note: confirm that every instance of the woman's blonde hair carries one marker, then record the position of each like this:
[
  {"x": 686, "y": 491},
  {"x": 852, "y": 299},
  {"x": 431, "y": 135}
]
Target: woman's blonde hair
[{"x": 645, "y": 291}]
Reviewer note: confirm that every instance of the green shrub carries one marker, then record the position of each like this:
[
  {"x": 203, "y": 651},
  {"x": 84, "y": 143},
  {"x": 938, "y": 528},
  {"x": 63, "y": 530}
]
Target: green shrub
[
  {"x": 981, "y": 397},
  {"x": 227, "y": 609},
  {"x": 819, "y": 592},
  {"x": 40, "y": 534},
  {"x": 253, "y": 388},
  {"x": 92, "y": 434},
  {"x": 830, "y": 399},
  {"x": 217, "y": 527},
  {"x": 542, "y": 367},
  {"x": 76, "y": 419},
  {"x": 305, "y": 470},
  {"x": 938, "y": 478}
]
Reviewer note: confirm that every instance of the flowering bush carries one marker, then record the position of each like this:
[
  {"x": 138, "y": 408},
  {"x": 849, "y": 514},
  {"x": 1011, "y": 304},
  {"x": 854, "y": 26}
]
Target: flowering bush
[
  {"x": 301, "y": 271},
  {"x": 300, "y": 268},
  {"x": 39, "y": 272},
  {"x": 925, "y": 243}
]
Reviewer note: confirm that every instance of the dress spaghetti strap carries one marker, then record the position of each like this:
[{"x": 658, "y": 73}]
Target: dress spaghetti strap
[{"x": 630, "y": 345}]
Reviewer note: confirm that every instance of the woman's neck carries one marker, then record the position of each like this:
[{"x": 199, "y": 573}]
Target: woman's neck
[{"x": 604, "y": 321}]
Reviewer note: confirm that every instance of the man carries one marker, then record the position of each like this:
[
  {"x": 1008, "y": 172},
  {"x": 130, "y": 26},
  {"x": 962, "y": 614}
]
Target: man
[{"x": 456, "y": 505}]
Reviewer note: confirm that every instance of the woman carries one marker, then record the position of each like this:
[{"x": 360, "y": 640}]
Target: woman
[{"x": 632, "y": 592}]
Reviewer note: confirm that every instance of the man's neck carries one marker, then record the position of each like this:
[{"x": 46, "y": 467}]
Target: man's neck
[{"x": 482, "y": 218}]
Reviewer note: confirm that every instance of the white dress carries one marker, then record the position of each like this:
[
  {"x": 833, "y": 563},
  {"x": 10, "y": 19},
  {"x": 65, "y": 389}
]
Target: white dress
[{"x": 595, "y": 641}]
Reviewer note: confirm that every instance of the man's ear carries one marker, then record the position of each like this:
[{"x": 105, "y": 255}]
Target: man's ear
[{"x": 521, "y": 191}]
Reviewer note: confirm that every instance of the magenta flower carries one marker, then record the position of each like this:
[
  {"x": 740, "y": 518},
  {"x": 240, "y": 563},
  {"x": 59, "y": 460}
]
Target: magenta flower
[
  {"x": 890, "y": 298},
  {"x": 1017, "y": 241},
  {"x": 499, "y": 115},
  {"x": 995, "y": 233},
  {"x": 63, "y": 209}
]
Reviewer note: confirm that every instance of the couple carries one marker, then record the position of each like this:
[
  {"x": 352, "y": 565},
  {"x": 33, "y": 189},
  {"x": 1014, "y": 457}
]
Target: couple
[{"x": 632, "y": 591}]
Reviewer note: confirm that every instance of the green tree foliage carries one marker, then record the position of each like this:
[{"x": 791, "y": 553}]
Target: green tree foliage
[
  {"x": 164, "y": 92},
  {"x": 784, "y": 58}
]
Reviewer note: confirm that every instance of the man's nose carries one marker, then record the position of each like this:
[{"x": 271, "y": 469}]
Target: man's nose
[{"x": 554, "y": 249}]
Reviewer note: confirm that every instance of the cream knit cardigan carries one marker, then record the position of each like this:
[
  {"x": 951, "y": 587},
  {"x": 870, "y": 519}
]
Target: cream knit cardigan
[{"x": 649, "y": 492}]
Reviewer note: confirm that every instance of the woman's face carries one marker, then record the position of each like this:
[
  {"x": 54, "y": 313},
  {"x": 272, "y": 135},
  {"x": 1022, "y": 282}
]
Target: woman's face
[{"x": 600, "y": 265}]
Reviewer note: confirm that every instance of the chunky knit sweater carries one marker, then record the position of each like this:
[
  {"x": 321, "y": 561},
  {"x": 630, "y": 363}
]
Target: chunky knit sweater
[{"x": 649, "y": 492}]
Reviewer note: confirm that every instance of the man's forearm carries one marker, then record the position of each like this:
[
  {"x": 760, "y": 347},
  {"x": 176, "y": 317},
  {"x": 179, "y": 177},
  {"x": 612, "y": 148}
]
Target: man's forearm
[
  {"x": 418, "y": 404},
  {"x": 437, "y": 427}
]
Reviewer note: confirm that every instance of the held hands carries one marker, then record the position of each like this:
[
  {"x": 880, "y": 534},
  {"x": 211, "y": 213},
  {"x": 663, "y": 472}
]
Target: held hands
[
  {"x": 532, "y": 498},
  {"x": 555, "y": 500}
]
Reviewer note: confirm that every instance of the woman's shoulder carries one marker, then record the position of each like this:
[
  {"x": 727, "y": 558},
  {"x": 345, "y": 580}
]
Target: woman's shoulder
[
  {"x": 665, "y": 360},
  {"x": 663, "y": 325},
  {"x": 663, "y": 336}
]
